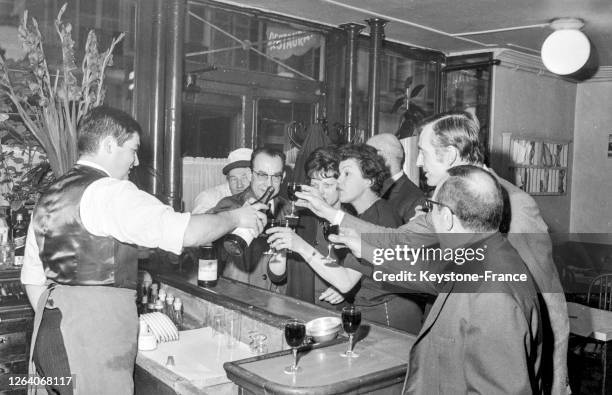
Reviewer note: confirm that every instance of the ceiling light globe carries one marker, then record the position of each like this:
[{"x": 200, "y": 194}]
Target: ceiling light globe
[{"x": 565, "y": 51}]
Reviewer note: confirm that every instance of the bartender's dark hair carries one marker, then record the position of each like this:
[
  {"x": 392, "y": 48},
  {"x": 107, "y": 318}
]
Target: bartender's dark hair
[
  {"x": 371, "y": 164},
  {"x": 104, "y": 121},
  {"x": 457, "y": 129},
  {"x": 474, "y": 196},
  {"x": 271, "y": 152},
  {"x": 322, "y": 161}
]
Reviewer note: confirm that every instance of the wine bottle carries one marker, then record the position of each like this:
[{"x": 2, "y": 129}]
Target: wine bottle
[
  {"x": 207, "y": 267},
  {"x": 237, "y": 242},
  {"x": 20, "y": 231}
]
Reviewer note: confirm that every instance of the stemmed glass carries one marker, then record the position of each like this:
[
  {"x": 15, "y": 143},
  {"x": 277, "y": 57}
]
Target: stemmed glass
[
  {"x": 272, "y": 223},
  {"x": 295, "y": 332},
  {"x": 292, "y": 188},
  {"x": 351, "y": 319},
  {"x": 329, "y": 229}
]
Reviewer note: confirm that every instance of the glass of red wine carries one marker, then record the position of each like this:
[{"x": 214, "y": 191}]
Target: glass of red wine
[
  {"x": 351, "y": 319},
  {"x": 295, "y": 332},
  {"x": 292, "y": 188},
  {"x": 272, "y": 222},
  {"x": 329, "y": 229}
]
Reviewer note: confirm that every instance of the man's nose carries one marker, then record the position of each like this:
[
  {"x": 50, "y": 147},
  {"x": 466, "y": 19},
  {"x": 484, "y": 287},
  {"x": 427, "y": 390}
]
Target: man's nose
[
  {"x": 419, "y": 160},
  {"x": 136, "y": 161}
]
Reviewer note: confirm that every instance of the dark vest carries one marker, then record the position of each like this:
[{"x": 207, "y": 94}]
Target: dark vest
[{"x": 69, "y": 253}]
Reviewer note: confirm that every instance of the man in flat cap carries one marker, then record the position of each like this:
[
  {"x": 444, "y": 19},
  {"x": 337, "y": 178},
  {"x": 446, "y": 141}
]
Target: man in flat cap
[{"x": 238, "y": 174}]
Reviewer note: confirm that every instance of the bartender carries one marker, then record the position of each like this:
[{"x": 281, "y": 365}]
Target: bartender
[{"x": 80, "y": 263}]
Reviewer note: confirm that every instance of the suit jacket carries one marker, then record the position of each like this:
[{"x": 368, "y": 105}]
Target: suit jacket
[
  {"x": 253, "y": 267},
  {"x": 482, "y": 337},
  {"x": 403, "y": 195},
  {"x": 528, "y": 234}
]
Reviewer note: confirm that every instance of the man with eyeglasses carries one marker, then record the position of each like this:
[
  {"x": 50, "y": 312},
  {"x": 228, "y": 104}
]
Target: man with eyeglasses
[
  {"x": 481, "y": 336},
  {"x": 238, "y": 175},
  {"x": 267, "y": 167},
  {"x": 451, "y": 139}
]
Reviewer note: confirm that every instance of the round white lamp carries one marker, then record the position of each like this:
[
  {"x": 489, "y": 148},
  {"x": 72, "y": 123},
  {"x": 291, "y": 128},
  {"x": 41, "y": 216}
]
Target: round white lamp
[{"x": 567, "y": 49}]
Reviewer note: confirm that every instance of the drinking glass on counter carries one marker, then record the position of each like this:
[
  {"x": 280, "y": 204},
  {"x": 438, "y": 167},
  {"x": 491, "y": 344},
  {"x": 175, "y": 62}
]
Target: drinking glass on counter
[
  {"x": 295, "y": 332},
  {"x": 351, "y": 319}
]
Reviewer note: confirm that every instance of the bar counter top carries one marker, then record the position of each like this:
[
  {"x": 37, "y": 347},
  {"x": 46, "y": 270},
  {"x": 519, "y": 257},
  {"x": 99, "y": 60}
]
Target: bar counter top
[{"x": 383, "y": 351}]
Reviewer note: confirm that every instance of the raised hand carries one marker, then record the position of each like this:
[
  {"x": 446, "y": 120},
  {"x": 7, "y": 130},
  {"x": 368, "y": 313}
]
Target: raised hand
[
  {"x": 311, "y": 199},
  {"x": 283, "y": 237},
  {"x": 350, "y": 238}
]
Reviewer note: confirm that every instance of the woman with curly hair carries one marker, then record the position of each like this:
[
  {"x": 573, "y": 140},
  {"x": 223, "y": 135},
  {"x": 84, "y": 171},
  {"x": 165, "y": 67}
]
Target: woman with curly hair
[{"x": 362, "y": 173}]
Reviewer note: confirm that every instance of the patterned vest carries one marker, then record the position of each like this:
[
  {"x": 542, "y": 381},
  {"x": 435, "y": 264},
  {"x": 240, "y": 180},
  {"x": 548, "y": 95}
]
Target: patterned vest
[{"x": 69, "y": 253}]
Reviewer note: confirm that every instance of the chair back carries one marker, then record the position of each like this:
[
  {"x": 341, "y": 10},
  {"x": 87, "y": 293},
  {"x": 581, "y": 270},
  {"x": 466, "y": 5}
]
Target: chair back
[{"x": 601, "y": 289}]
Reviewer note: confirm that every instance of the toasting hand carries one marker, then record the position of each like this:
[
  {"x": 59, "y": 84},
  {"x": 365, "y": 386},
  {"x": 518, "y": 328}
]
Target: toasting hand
[
  {"x": 311, "y": 199},
  {"x": 350, "y": 238}
]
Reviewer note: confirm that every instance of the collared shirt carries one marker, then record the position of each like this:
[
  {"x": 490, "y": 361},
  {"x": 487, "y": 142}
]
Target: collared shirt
[
  {"x": 117, "y": 208},
  {"x": 397, "y": 175},
  {"x": 209, "y": 198}
]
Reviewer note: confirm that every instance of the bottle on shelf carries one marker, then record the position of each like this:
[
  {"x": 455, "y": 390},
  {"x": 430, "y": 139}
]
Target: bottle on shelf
[
  {"x": 158, "y": 307},
  {"x": 178, "y": 313},
  {"x": 237, "y": 242},
  {"x": 142, "y": 307},
  {"x": 20, "y": 231},
  {"x": 168, "y": 309},
  {"x": 207, "y": 266}
]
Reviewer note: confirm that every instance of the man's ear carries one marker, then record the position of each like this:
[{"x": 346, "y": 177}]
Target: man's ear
[
  {"x": 447, "y": 219},
  {"x": 108, "y": 144},
  {"x": 451, "y": 155}
]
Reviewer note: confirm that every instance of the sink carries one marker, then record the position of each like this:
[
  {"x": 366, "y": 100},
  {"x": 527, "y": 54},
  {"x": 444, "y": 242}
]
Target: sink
[{"x": 198, "y": 356}]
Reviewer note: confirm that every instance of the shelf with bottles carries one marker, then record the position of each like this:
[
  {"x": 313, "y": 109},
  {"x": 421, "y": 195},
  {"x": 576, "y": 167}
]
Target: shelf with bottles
[{"x": 539, "y": 166}]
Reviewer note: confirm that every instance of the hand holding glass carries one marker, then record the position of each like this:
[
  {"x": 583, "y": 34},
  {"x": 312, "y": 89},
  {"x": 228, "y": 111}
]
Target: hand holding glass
[
  {"x": 292, "y": 188},
  {"x": 295, "y": 332},
  {"x": 329, "y": 229}
]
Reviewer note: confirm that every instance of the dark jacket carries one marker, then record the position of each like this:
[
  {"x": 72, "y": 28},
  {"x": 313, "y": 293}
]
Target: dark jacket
[{"x": 403, "y": 195}]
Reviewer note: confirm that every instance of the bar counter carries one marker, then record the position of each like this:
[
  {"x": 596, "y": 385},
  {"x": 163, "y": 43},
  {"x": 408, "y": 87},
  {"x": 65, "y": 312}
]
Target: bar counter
[{"x": 380, "y": 368}]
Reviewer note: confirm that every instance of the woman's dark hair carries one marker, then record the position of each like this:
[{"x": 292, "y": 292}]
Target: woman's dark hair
[
  {"x": 371, "y": 164},
  {"x": 104, "y": 121},
  {"x": 324, "y": 161}
]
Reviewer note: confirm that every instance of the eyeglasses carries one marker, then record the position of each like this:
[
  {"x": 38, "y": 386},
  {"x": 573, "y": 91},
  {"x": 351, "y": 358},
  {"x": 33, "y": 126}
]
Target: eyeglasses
[
  {"x": 261, "y": 176},
  {"x": 429, "y": 204}
]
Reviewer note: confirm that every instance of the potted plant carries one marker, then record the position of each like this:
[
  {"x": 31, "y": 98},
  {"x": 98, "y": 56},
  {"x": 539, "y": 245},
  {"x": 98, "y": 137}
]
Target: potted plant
[
  {"x": 50, "y": 103},
  {"x": 412, "y": 114}
]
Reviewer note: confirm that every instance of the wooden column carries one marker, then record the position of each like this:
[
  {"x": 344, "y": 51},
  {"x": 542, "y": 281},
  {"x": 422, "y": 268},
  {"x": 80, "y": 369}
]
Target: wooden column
[
  {"x": 377, "y": 33},
  {"x": 350, "y": 75},
  {"x": 174, "y": 97}
]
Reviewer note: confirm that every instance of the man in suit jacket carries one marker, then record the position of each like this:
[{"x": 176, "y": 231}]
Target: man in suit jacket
[
  {"x": 255, "y": 268},
  {"x": 451, "y": 139},
  {"x": 398, "y": 190},
  {"x": 483, "y": 337}
]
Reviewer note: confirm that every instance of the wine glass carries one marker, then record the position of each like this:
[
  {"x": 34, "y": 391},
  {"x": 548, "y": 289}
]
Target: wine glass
[
  {"x": 292, "y": 188},
  {"x": 329, "y": 229},
  {"x": 272, "y": 223},
  {"x": 351, "y": 318},
  {"x": 295, "y": 332}
]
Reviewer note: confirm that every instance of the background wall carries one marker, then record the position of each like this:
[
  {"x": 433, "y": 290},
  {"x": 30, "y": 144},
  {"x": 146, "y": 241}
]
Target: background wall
[
  {"x": 528, "y": 102},
  {"x": 591, "y": 210}
]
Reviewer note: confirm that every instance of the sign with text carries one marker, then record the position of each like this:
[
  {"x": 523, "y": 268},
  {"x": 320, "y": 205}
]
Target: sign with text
[{"x": 282, "y": 43}]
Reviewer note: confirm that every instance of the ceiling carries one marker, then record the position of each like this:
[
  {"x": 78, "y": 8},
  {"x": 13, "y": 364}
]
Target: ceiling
[{"x": 431, "y": 23}]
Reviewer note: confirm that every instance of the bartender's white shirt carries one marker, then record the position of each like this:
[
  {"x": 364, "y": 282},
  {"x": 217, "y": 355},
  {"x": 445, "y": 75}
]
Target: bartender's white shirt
[{"x": 117, "y": 208}]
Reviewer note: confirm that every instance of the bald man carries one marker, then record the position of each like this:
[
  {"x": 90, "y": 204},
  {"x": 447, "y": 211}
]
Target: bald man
[
  {"x": 484, "y": 332},
  {"x": 398, "y": 190}
]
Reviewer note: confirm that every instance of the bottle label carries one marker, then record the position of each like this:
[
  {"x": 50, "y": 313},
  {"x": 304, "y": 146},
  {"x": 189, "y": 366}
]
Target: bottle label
[
  {"x": 207, "y": 270},
  {"x": 19, "y": 242},
  {"x": 247, "y": 234}
]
